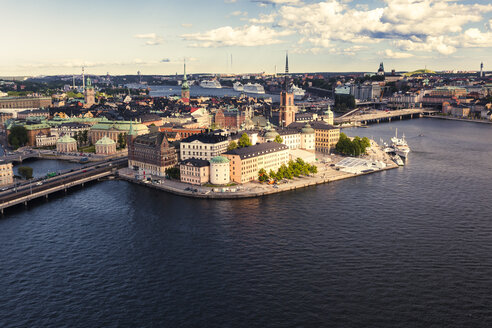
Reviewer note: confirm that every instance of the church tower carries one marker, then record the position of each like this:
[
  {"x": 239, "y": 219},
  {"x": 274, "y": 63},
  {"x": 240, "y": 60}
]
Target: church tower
[
  {"x": 89, "y": 94},
  {"x": 287, "y": 114},
  {"x": 185, "y": 88}
]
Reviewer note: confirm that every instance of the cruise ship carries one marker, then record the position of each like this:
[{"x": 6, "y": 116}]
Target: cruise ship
[
  {"x": 254, "y": 88},
  {"x": 400, "y": 145},
  {"x": 298, "y": 92},
  {"x": 238, "y": 86},
  {"x": 210, "y": 84}
]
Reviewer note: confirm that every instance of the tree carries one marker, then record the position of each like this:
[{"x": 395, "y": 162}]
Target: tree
[
  {"x": 278, "y": 139},
  {"x": 18, "y": 136},
  {"x": 354, "y": 147},
  {"x": 85, "y": 138},
  {"x": 262, "y": 175},
  {"x": 273, "y": 175},
  {"x": 244, "y": 141},
  {"x": 344, "y": 102},
  {"x": 173, "y": 173},
  {"x": 25, "y": 172},
  {"x": 121, "y": 140},
  {"x": 232, "y": 145}
]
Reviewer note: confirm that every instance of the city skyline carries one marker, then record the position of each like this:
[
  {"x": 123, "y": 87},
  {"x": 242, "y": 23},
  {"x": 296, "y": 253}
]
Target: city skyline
[{"x": 243, "y": 36}]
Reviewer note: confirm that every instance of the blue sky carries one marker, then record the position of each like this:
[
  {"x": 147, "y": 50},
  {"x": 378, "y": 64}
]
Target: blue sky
[{"x": 122, "y": 37}]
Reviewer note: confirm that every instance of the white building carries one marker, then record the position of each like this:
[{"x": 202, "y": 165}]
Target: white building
[
  {"x": 203, "y": 146},
  {"x": 219, "y": 170}
]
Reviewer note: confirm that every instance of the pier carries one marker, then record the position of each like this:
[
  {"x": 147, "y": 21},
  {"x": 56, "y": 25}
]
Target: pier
[{"x": 353, "y": 117}]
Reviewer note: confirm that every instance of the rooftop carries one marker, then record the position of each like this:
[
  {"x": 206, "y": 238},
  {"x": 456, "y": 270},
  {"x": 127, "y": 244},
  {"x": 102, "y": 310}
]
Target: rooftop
[
  {"x": 257, "y": 150},
  {"x": 205, "y": 138}
]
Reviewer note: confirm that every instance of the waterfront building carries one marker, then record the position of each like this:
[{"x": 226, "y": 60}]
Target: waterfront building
[
  {"x": 43, "y": 140},
  {"x": 33, "y": 129},
  {"x": 6, "y": 174},
  {"x": 220, "y": 170},
  {"x": 150, "y": 154},
  {"x": 246, "y": 162},
  {"x": 203, "y": 146},
  {"x": 308, "y": 138},
  {"x": 194, "y": 171},
  {"x": 326, "y": 135},
  {"x": 89, "y": 94},
  {"x": 112, "y": 129},
  {"x": 105, "y": 146},
  {"x": 66, "y": 144}
]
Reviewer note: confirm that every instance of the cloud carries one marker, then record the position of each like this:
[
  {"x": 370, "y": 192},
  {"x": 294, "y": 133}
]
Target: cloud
[
  {"x": 388, "y": 53},
  {"x": 245, "y": 36},
  {"x": 187, "y": 25},
  {"x": 79, "y": 63},
  {"x": 264, "y": 19},
  {"x": 230, "y": 1},
  {"x": 239, "y": 13},
  {"x": 152, "y": 38},
  {"x": 279, "y": 2}
]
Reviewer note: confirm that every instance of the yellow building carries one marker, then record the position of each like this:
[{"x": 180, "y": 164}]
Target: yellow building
[
  {"x": 326, "y": 135},
  {"x": 6, "y": 174},
  {"x": 245, "y": 163}
]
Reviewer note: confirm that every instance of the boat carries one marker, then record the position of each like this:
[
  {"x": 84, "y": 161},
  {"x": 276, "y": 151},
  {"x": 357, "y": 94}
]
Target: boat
[
  {"x": 400, "y": 145},
  {"x": 210, "y": 84},
  {"x": 397, "y": 159},
  {"x": 298, "y": 92},
  {"x": 253, "y": 88},
  {"x": 238, "y": 86}
]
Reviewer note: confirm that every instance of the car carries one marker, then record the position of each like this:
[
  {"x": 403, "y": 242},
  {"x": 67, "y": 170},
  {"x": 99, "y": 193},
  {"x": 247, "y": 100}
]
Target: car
[
  {"x": 39, "y": 183},
  {"x": 4, "y": 189}
]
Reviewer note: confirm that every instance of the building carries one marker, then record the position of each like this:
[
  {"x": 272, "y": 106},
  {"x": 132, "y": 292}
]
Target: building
[
  {"x": 66, "y": 144},
  {"x": 89, "y": 94},
  {"x": 33, "y": 113},
  {"x": 185, "y": 88},
  {"x": 105, "y": 146},
  {"x": 287, "y": 112},
  {"x": 326, "y": 135},
  {"x": 229, "y": 118},
  {"x": 194, "y": 171},
  {"x": 366, "y": 92},
  {"x": 112, "y": 129},
  {"x": 381, "y": 69},
  {"x": 12, "y": 103},
  {"x": 43, "y": 140},
  {"x": 69, "y": 128},
  {"x": 246, "y": 162},
  {"x": 183, "y": 132},
  {"x": 6, "y": 174},
  {"x": 150, "y": 154},
  {"x": 33, "y": 129},
  {"x": 203, "y": 146},
  {"x": 220, "y": 170}
]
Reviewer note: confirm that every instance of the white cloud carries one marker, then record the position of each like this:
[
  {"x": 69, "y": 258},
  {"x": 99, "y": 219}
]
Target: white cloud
[
  {"x": 152, "y": 38},
  {"x": 239, "y": 13},
  {"x": 230, "y": 1},
  {"x": 264, "y": 19},
  {"x": 279, "y": 2},
  {"x": 187, "y": 25},
  {"x": 388, "y": 53},
  {"x": 245, "y": 36}
]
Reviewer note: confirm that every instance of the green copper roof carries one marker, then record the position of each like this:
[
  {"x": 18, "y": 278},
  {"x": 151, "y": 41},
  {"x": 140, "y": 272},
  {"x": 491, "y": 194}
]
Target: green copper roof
[
  {"x": 219, "y": 159},
  {"x": 66, "y": 139},
  {"x": 105, "y": 141},
  {"x": 307, "y": 129},
  {"x": 184, "y": 85}
]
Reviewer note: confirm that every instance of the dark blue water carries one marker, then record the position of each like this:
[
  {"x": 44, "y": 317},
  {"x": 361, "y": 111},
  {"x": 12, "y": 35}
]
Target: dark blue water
[
  {"x": 410, "y": 247},
  {"x": 42, "y": 167}
]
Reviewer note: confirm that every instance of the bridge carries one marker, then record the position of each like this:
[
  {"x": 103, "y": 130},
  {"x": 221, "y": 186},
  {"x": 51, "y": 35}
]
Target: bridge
[
  {"x": 21, "y": 156},
  {"x": 22, "y": 194},
  {"x": 382, "y": 116}
]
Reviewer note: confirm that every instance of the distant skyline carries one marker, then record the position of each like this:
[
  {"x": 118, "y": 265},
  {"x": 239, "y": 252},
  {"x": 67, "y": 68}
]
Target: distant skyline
[{"x": 123, "y": 37}]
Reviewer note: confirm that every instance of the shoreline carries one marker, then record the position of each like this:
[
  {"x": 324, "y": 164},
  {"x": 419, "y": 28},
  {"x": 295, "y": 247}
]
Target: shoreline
[{"x": 457, "y": 119}]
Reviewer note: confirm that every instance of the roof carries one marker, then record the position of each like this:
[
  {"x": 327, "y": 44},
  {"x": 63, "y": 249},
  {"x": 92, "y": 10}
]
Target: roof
[
  {"x": 205, "y": 138},
  {"x": 105, "y": 141},
  {"x": 317, "y": 125},
  {"x": 66, "y": 139},
  {"x": 151, "y": 139},
  {"x": 195, "y": 162},
  {"x": 257, "y": 150},
  {"x": 219, "y": 159}
]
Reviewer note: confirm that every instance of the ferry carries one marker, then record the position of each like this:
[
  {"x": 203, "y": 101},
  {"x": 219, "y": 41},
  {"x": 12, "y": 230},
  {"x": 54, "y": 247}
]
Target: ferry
[
  {"x": 210, "y": 84},
  {"x": 254, "y": 88},
  {"x": 400, "y": 145},
  {"x": 238, "y": 86},
  {"x": 298, "y": 92}
]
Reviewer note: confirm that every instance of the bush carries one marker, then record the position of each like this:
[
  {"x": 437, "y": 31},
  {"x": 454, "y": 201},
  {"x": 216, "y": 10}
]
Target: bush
[{"x": 25, "y": 172}]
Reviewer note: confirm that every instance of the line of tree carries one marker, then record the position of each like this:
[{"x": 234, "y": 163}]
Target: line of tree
[
  {"x": 18, "y": 136},
  {"x": 344, "y": 103},
  {"x": 289, "y": 171},
  {"x": 354, "y": 147},
  {"x": 81, "y": 137}
]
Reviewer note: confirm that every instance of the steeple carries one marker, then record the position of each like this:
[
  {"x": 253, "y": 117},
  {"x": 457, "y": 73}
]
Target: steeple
[
  {"x": 185, "y": 88},
  {"x": 286, "y": 62},
  {"x": 130, "y": 131}
]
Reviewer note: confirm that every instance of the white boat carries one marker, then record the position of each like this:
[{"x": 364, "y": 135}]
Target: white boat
[
  {"x": 298, "y": 92},
  {"x": 210, "y": 84},
  {"x": 238, "y": 86},
  {"x": 400, "y": 145},
  {"x": 398, "y": 160},
  {"x": 254, "y": 88}
]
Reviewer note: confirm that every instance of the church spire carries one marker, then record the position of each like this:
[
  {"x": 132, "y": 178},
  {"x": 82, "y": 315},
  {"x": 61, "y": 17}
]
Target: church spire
[{"x": 286, "y": 62}]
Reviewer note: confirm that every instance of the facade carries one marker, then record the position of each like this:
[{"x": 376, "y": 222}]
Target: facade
[
  {"x": 105, "y": 146},
  {"x": 151, "y": 154},
  {"x": 287, "y": 112},
  {"x": 326, "y": 136},
  {"x": 203, "y": 146},
  {"x": 69, "y": 128},
  {"x": 6, "y": 174},
  {"x": 308, "y": 138},
  {"x": 366, "y": 92},
  {"x": 33, "y": 129},
  {"x": 183, "y": 132},
  {"x": 43, "y": 140},
  {"x": 229, "y": 118},
  {"x": 38, "y": 113},
  {"x": 246, "y": 162},
  {"x": 112, "y": 129},
  {"x": 24, "y": 102},
  {"x": 66, "y": 144},
  {"x": 220, "y": 170},
  {"x": 194, "y": 171}
]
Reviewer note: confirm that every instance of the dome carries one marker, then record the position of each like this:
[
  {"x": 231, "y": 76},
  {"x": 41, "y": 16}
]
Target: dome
[
  {"x": 66, "y": 139},
  {"x": 219, "y": 159},
  {"x": 271, "y": 134},
  {"x": 105, "y": 141},
  {"x": 307, "y": 129}
]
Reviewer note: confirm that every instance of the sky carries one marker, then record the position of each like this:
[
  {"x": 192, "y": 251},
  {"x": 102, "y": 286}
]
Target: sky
[{"x": 242, "y": 36}]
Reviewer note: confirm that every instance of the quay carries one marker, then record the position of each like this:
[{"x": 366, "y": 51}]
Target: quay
[
  {"x": 441, "y": 117},
  {"x": 43, "y": 188},
  {"x": 379, "y": 116}
]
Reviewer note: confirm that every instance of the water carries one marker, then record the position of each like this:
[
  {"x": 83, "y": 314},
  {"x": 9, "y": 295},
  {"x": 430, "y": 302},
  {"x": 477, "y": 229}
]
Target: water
[
  {"x": 41, "y": 167},
  {"x": 409, "y": 247},
  {"x": 167, "y": 90}
]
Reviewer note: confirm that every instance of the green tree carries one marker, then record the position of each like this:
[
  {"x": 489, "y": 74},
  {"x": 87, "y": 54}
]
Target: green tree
[
  {"x": 244, "y": 141},
  {"x": 85, "y": 137},
  {"x": 25, "y": 172},
  {"x": 173, "y": 173},
  {"x": 121, "y": 140},
  {"x": 273, "y": 175},
  {"x": 18, "y": 136},
  {"x": 262, "y": 175},
  {"x": 278, "y": 139},
  {"x": 232, "y": 145}
]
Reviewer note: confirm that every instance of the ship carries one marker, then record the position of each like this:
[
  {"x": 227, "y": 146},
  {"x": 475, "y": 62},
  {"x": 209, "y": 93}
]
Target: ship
[
  {"x": 254, "y": 88},
  {"x": 210, "y": 84},
  {"x": 400, "y": 145},
  {"x": 298, "y": 92},
  {"x": 238, "y": 86}
]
